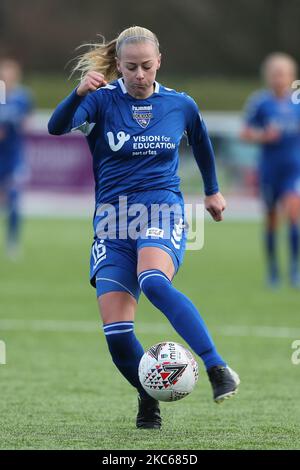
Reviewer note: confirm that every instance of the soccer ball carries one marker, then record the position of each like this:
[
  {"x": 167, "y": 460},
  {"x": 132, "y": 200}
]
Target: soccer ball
[{"x": 168, "y": 371}]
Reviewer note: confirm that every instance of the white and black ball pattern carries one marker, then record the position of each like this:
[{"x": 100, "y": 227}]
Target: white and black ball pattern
[{"x": 168, "y": 371}]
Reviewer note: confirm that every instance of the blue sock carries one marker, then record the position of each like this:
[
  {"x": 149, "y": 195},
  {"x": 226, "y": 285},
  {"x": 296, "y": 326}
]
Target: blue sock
[
  {"x": 270, "y": 246},
  {"x": 13, "y": 217},
  {"x": 181, "y": 313},
  {"x": 126, "y": 351},
  {"x": 294, "y": 247}
]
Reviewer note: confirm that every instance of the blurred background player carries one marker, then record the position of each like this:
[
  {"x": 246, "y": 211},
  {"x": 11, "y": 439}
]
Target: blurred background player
[
  {"x": 13, "y": 115},
  {"x": 273, "y": 121}
]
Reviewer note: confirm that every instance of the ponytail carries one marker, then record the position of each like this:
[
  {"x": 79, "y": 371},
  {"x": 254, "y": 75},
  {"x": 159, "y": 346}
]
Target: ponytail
[{"x": 102, "y": 56}]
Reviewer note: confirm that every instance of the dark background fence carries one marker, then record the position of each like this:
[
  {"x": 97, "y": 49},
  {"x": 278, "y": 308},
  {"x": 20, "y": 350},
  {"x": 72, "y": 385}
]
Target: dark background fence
[{"x": 210, "y": 37}]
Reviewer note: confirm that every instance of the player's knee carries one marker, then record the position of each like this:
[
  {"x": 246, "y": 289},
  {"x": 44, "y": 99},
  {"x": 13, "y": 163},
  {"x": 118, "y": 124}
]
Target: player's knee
[
  {"x": 153, "y": 283},
  {"x": 116, "y": 307}
]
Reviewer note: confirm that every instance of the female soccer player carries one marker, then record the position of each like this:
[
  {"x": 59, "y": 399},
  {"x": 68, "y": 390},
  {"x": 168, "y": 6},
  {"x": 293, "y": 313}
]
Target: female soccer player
[
  {"x": 14, "y": 111},
  {"x": 273, "y": 121},
  {"x": 134, "y": 126}
]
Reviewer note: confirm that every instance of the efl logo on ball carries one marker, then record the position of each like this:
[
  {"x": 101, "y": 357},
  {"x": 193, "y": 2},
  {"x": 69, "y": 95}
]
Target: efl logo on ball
[{"x": 168, "y": 371}]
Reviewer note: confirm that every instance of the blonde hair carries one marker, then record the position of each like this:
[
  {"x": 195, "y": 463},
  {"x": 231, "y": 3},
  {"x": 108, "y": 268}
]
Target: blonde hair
[
  {"x": 278, "y": 56},
  {"x": 102, "y": 56}
]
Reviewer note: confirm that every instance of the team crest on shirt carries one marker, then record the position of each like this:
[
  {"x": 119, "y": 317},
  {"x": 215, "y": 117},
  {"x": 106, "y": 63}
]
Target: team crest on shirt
[{"x": 142, "y": 115}]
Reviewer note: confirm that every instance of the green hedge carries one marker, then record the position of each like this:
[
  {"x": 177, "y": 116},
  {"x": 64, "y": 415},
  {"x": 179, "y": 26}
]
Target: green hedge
[{"x": 210, "y": 93}]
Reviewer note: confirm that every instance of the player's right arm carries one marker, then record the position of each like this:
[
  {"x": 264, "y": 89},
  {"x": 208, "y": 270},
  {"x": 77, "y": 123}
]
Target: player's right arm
[
  {"x": 79, "y": 107},
  {"x": 260, "y": 136},
  {"x": 203, "y": 152}
]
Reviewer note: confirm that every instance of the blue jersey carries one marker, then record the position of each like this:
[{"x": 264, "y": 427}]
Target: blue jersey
[
  {"x": 12, "y": 114},
  {"x": 135, "y": 142},
  {"x": 265, "y": 109}
]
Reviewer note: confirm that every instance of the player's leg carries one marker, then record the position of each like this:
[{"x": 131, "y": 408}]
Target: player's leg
[
  {"x": 13, "y": 221},
  {"x": 270, "y": 190},
  {"x": 117, "y": 310},
  {"x": 291, "y": 206},
  {"x": 117, "y": 294},
  {"x": 155, "y": 271},
  {"x": 271, "y": 226}
]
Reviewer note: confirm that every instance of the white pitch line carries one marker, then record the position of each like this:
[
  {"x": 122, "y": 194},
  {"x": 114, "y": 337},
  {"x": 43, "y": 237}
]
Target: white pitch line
[
  {"x": 260, "y": 331},
  {"x": 78, "y": 326},
  {"x": 55, "y": 326}
]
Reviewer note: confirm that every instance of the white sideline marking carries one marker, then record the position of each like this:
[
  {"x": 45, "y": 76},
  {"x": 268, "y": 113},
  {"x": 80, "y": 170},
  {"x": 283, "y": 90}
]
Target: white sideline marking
[{"x": 57, "y": 326}]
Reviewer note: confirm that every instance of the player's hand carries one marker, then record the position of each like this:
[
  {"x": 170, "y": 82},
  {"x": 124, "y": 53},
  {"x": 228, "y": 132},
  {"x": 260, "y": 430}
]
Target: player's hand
[
  {"x": 270, "y": 135},
  {"x": 215, "y": 205},
  {"x": 2, "y": 134},
  {"x": 91, "y": 82},
  {"x": 267, "y": 136}
]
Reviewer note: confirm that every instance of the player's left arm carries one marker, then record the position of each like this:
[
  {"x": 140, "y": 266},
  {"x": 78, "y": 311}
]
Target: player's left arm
[
  {"x": 204, "y": 155},
  {"x": 16, "y": 113}
]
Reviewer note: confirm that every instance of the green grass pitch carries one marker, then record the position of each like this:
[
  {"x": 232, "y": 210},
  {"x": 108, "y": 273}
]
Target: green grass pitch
[{"x": 59, "y": 389}]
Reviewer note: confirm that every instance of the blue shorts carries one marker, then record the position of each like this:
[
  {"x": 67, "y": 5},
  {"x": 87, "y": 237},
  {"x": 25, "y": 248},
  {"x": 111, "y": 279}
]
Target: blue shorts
[
  {"x": 276, "y": 182},
  {"x": 13, "y": 178},
  {"x": 150, "y": 218}
]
